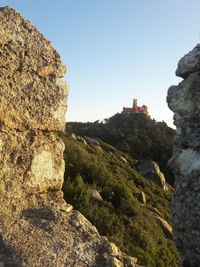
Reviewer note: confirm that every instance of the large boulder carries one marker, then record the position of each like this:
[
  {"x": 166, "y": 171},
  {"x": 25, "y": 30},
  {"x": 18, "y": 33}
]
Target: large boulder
[
  {"x": 150, "y": 170},
  {"x": 189, "y": 63},
  {"x": 32, "y": 95},
  {"x": 184, "y": 101},
  {"x": 37, "y": 227}
]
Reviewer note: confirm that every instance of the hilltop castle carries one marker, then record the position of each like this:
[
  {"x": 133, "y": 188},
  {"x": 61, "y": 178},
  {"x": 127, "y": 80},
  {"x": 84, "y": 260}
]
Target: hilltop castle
[{"x": 136, "y": 108}]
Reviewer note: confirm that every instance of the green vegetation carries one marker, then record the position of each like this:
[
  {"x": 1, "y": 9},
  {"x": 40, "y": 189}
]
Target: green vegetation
[
  {"x": 135, "y": 134},
  {"x": 120, "y": 216}
]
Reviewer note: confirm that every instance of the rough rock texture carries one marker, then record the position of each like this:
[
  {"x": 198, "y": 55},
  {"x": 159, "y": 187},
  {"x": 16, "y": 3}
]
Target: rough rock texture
[
  {"x": 189, "y": 63},
  {"x": 184, "y": 101},
  {"x": 32, "y": 95},
  {"x": 37, "y": 227},
  {"x": 150, "y": 170}
]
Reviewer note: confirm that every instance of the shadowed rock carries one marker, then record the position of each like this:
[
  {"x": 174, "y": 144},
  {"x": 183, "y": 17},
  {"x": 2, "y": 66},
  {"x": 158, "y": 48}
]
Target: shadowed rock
[
  {"x": 184, "y": 101},
  {"x": 150, "y": 170}
]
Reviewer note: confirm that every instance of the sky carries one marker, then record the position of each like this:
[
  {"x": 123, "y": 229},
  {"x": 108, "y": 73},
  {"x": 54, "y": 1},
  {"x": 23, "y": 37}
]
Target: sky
[{"x": 116, "y": 50}]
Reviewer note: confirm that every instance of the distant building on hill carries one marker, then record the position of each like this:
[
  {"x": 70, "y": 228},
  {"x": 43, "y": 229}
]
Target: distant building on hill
[{"x": 136, "y": 108}]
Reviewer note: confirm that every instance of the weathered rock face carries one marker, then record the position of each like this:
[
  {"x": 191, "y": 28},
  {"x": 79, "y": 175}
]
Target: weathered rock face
[
  {"x": 37, "y": 227},
  {"x": 150, "y": 170},
  {"x": 32, "y": 95},
  {"x": 30, "y": 162},
  {"x": 184, "y": 101}
]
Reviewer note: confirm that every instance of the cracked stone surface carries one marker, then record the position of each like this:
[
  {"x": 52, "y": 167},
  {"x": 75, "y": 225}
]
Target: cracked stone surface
[
  {"x": 32, "y": 94},
  {"x": 37, "y": 227},
  {"x": 184, "y": 101}
]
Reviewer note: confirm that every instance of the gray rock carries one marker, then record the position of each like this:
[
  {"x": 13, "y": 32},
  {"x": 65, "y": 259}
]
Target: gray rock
[
  {"x": 95, "y": 195},
  {"x": 82, "y": 140},
  {"x": 167, "y": 228},
  {"x": 141, "y": 197},
  {"x": 92, "y": 141},
  {"x": 123, "y": 159},
  {"x": 189, "y": 63},
  {"x": 73, "y": 136},
  {"x": 150, "y": 170},
  {"x": 114, "y": 250},
  {"x": 184, "y": 100},
  {"x": 113, "y": 262},
  {"x": 130, "y": 261}
]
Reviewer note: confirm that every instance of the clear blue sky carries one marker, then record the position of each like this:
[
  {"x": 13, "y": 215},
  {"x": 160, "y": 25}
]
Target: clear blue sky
[{"x": 116, "y": 50}]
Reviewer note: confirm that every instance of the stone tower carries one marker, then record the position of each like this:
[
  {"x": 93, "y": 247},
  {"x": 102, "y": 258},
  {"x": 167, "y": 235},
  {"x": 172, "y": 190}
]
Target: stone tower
[{"x": 135, "y": 103}]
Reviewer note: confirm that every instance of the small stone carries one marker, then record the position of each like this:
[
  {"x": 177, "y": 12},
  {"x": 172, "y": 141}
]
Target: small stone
[
  {"x": 69, "y": 208},
  {"x": 141, "y": 197},
  {"x": 92, "y": 141},
  {"x": 113, "y": 262},
  {"x": 167, "y": 229},
  {"x": 123, "y": 159},
  {"x": 73, "y": 136},
  {"x": 82, "y": 140},
  {"x": 95, "y": 195},
  {"x": 129, "y": 261},
  {"x": 113, "y": 250}
]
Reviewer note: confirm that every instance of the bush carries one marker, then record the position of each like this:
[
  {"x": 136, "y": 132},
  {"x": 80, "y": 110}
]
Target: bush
[
  {"x": 120, "y": 216},
  {"x": 76, "y": 191}
]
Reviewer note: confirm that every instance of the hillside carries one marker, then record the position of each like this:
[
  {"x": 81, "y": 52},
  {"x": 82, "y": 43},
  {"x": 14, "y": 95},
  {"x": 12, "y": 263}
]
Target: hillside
[
  {"x": 135, "y": 134},
  {"x": 136, "y": 225}
]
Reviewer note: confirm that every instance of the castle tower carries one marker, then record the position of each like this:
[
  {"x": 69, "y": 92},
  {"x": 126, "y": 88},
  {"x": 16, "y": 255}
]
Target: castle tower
[
  {"x": 136, "y": 109},
  {"x": 135, "y": 103}
]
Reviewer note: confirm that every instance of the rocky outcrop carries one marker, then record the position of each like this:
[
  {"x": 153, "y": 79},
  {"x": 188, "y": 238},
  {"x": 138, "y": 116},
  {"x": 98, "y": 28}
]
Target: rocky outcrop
[
  {"x": 184, "y": 101},
  {"x": 37, "y": 227},
  {"x": 32, "y": 94},
  {"x": 150, "y": 170}
]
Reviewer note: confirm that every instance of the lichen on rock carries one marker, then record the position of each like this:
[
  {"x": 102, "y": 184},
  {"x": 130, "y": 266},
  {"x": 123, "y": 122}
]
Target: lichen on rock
[{"x": 184, "y": 101}]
